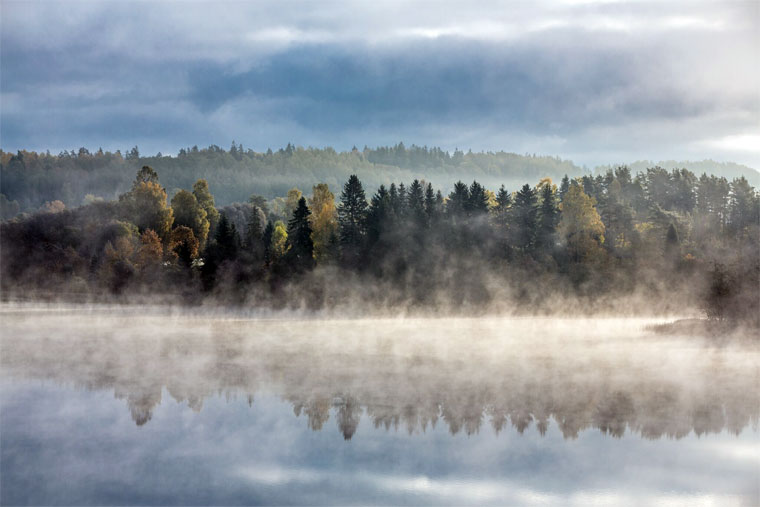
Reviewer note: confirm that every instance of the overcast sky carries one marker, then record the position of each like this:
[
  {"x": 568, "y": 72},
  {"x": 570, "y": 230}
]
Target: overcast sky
[{"x": 597, "y": 82}]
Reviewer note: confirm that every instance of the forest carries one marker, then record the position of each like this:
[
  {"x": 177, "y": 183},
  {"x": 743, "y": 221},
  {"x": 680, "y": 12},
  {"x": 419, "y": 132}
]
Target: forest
[
  {"x": 75, "y": 177},
  {"x": 669, "y": 241}
]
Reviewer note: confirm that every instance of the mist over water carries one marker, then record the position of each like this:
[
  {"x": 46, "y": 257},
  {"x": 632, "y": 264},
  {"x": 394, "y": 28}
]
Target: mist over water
[{"x": 221, "y": 408}]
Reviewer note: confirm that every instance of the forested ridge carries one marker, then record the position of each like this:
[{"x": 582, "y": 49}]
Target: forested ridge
[
  {"x": 28, "y": 179},
  {"x": 669, "y": 240}
]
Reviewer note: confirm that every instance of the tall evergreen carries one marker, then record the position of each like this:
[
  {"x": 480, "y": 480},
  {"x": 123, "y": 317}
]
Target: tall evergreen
[
  {"x": 378, "y": 220},
  {"x": 477, "y": 203},
  {"x": 402, "y": 202},
  {"x": 524, "y": 218},
  {"x": 301, "y": 252},
  {"x": 459, "y": 200},
  {"x": 227, "y": 239},
  {"x": 548, "y": 215},
  {"x": 501, "y": 218},
  {"x": 254, "y": 234},
  {"x": 352, "y": 212},
  {"x": 416, "y": 204},
  {"x": 267, "y": 241},
  {"x": 431, "y": 209},
  {"x": 564, "y": 186}
]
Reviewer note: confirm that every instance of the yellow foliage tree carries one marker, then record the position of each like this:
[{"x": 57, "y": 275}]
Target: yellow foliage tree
[
  {"x": 206, "y": 201},
  {"x": 188, "y": 212},
  {"x": 150, "y": 251},
  {"x": 291, "y": 203},
  {"x": 324, "y": 221},
  {"x": 580, "y": 225},
  {"x": 146, "y": 207},
  {"x": 279, "y": 240},
  {"x": 184, "y": 244}
]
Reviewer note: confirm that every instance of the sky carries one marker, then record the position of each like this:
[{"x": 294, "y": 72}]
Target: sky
[{"x": 596, "y": 82}]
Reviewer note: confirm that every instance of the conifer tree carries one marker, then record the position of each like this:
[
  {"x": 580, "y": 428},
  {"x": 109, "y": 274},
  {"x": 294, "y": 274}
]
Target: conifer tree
[
  {"x": 254, "y": 234},
  {"x": 267, "y": 241},
  {"x": 416, "y": 204},
  {"x": 477, "y": 203},
  {"x": 564, "y": 186},
  {"x": 352, "y": 213},
  {"x": 547, "y": 219},
  {"x": 458, "y": 201},
  {"x": 524, "y": 213},
  {"x": 301, "y": 252},
  {"x": 431, "y": 208},
  {"x": 227, "y": 239}
]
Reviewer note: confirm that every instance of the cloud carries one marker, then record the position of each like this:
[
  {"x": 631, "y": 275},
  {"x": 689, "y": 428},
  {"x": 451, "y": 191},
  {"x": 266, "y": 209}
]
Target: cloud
[{"x": 497, "y": 77}]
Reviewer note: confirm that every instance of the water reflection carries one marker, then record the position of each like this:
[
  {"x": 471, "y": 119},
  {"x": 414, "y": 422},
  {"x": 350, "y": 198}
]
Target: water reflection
[{"x": 403, "y": 375}]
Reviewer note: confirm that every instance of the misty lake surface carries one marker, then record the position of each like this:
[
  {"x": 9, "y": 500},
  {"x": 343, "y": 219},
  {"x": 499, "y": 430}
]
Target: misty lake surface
[{"x": 124, "y": 405}]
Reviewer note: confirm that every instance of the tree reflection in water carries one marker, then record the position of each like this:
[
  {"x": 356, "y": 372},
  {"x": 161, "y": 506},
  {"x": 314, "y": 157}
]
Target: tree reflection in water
[{"x": 411, "y": 375}]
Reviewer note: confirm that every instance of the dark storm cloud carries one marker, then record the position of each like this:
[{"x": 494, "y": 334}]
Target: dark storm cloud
[{"x": 588, "y": 81}]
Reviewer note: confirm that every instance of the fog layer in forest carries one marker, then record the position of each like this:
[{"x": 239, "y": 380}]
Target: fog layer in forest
[{"x": 656, "y": 241}]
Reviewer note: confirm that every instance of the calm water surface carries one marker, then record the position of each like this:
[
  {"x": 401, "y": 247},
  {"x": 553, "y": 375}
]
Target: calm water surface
[{"x": 120, "y": 406}]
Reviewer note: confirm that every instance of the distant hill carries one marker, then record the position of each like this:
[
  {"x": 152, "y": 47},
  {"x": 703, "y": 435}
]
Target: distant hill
[
  {"x": 729, "y": 170},
  {"x": 31, "y": 179},
  {"x": 233, "y": 175}
]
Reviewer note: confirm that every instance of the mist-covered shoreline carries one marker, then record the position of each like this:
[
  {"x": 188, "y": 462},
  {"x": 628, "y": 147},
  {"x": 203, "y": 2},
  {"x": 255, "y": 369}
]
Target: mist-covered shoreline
[{"x": 657, "y": 242}]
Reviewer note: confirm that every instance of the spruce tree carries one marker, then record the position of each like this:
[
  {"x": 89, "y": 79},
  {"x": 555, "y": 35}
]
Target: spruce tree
[
  {"x": 524, "y": 218},
  {"x": 564, "y": 186},
  {"x": 431, "y": 209},
  {"x": 352, "y": 212},
  {"x": 477, "y": 203},
  {"x": 547, "y": 220},
  {"x": 254, "y": 234},
  {"x": 301, "y": 252},
  {"x": 227, "y": 239},
  {"x": 416, "y": 204},
  {"x": 459, "y": 200},
  {"x": 501, "y": 218},
  {"x": 378, "y": 219},
  {"x": 267, "y": 241}
]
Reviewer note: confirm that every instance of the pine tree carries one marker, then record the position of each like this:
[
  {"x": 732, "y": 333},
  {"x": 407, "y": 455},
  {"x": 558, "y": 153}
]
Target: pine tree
[
  {"x": 254, "y": 234},
  {"x": 416, "y": 204},
  {"x": 227, "y": 239},
  {"x": 564, "y": 186},
  {"x": 352, "y": 213},
  {"x": 477, "y": 203},
  {"x": 458, "y": 201},
  {"x": 524, "y": 218},
  {"x": 431, "y": 208},
  {"x": 378, "y": 219},
  {"x": 547, "y": 220},
  {"x": 501, "y": 220},
  {"x": 301, "y": 252},
  {"x": 267, "y": 241}
]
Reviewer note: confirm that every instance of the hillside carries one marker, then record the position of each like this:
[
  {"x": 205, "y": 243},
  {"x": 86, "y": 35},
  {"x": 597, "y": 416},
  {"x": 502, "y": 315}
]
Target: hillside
[{"x": 31, "y": 178}]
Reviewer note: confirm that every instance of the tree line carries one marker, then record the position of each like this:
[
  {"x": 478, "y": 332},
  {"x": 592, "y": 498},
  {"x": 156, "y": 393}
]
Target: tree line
[
  {"x": 657, "y": 233},
  {"x": 75, "y": 177}
]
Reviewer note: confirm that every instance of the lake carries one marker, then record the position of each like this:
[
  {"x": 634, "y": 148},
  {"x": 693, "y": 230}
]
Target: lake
[{"x": 131, "y": 405}]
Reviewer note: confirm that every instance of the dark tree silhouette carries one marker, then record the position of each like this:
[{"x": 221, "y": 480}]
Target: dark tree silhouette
[
  {"x": 301, "y": 252},
  {"x": 352, "y": 212},
  {"x": 524, "y": 218}
]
